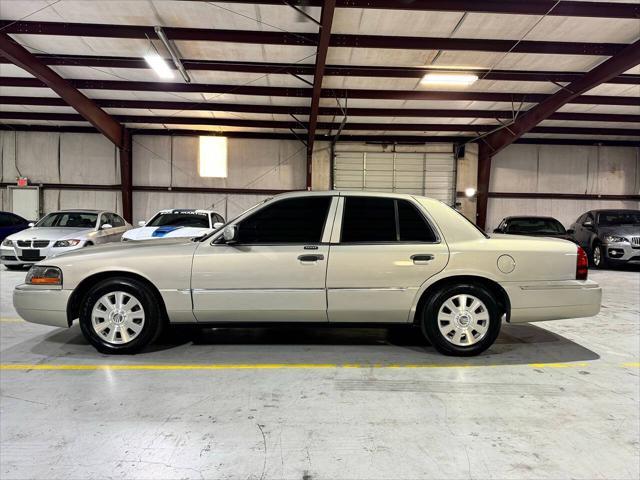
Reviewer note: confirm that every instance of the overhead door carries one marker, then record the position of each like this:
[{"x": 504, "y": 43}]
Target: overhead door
[{"x": 425, "y": 173}]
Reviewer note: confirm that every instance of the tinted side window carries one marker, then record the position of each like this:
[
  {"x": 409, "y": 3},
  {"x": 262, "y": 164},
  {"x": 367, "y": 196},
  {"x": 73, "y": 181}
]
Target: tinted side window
[
  {"x": 5, "y": 220},
  {"x": 116, "y": 220},
  {"x": 413, "y": 226},
  {"x": 297, "y": 220},
  {"x": 369, "y": 219}
]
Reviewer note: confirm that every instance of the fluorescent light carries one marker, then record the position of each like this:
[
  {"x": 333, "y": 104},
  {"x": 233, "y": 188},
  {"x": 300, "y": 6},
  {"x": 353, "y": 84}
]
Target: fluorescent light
[
  {"x": 449, "y": 79},
  {"x": 159, "y": 65},
  {"x": 212, "y": 158},
  {"x": 469, "y": 192}
]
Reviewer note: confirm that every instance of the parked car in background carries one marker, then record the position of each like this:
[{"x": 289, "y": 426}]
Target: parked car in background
[
  {"x": 60, "y": 232},
  {"x": 533, "y": 226},
  {"x": 321, "y": 258},
  {"x": 11, "y": 223},
  {"x": 612, "y": 237},
  {"x": 176, "y": 223}
]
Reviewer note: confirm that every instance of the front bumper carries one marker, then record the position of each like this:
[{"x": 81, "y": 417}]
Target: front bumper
[
  {"x": 553, "y": 300},
  {"x": 622, "y": 252},
  {"x": 46, "y": 306},
  {"x": 15, "y": 255}
]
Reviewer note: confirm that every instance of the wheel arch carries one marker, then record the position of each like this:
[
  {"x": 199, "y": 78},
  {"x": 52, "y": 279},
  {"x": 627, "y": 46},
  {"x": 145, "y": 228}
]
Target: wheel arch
[
  {"x": 494, "y": 287},
  {"x": 81, "y": 290}
]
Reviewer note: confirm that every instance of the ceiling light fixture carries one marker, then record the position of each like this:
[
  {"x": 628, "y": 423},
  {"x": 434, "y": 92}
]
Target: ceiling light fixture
[
  {"x": 464, "y": 79},
  {"x": 159, "y": 65},
  {"x": 173, "y": 51}
]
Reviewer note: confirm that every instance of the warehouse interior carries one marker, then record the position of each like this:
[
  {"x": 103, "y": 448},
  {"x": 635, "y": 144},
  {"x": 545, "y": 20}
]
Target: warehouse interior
[{"x": 323, "y": 95}]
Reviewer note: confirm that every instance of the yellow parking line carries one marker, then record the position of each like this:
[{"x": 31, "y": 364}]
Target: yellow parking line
[
  {"x": 11, "y": 320},
  {"x": 631, "y": 364},
  {"x": 266, "y": 366}
]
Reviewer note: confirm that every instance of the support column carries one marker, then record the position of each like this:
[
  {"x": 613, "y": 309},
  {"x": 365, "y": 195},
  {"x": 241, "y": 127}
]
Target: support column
[
  {"x": 484, "y": 176},
  {"x": 126, "y": 175}
]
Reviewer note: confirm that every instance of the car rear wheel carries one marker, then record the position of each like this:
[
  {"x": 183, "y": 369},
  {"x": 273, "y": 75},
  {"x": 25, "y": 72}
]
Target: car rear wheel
[
  {"x": 462, "y": 320},
  {"x": 120, "y": 315}
]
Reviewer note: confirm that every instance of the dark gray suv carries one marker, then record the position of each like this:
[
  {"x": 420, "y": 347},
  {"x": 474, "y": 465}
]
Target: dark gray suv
[{"x": 611, "y": 237}]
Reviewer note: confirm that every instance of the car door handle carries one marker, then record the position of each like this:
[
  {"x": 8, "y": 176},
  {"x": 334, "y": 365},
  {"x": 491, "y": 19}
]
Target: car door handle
[
  {"x": 310, "y": 258},
  {"x": 422, "y": 259}
]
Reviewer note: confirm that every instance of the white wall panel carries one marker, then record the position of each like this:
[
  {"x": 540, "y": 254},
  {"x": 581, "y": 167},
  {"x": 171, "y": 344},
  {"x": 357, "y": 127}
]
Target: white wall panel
[
  {"x": 88, "y": 158},
  {"x": 562, "y": 169}
]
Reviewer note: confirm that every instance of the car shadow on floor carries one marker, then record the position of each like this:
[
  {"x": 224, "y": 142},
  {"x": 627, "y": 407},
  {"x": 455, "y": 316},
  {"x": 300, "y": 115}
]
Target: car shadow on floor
[{"x": 516, "y": 345}]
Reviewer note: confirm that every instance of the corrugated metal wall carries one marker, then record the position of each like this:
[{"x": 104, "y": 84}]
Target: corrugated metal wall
[
  {"x": 562, "y": 169},
  {"x": 420, "y": 170},
  {"x": 79, "y": 158}
]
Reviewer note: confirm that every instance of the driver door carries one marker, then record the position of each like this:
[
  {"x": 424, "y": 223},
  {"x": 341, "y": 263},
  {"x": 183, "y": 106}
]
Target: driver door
[{"x": 275, "y": 272}]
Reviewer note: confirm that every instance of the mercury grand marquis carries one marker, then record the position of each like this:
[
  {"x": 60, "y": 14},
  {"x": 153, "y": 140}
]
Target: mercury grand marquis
[{"x": 347, "y": 258}]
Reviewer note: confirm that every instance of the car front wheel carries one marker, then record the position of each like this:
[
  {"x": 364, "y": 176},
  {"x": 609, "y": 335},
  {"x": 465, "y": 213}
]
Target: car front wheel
[
  {"x": 462, "y": 320},
  {"x": 120, "y": 315},
  {"x": 598, "y": 259}
]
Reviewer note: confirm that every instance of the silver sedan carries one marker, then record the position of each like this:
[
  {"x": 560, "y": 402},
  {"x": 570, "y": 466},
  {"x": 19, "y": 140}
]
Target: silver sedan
[{"x": 60, "y": 232}]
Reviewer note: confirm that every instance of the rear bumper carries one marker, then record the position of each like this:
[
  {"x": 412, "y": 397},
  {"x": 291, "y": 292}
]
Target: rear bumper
[
  {"x": 539, "y": 301},
  {"x": 45, "y": 306}
]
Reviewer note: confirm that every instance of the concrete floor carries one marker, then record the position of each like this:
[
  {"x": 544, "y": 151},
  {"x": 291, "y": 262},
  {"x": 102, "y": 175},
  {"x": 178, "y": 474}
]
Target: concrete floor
[{"x": 554, "y": 400}]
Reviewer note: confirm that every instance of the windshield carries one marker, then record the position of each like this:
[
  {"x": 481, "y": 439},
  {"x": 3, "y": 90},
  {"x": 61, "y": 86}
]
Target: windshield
[
  {"x": 619, "y": 218},
  {"x": 69, "y": 219},
  {"x": 180, "y": 219},
  {"x": 535, "y": 225}
]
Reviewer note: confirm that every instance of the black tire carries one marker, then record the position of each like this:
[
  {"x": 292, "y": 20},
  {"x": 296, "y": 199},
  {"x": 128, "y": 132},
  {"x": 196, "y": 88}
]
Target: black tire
[
  {"x": 598, "y": 258},
  {"x": 430, "y": 323},
  {"x": 153, "y": 322},
  {"x": 15, "y": 267}
]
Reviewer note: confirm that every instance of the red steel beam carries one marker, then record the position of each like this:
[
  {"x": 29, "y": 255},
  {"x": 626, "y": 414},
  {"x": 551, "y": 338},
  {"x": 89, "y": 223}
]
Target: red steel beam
[
  {"x": 86, "y": 108},
  {"x": 308, "y": 69},
  {"x": 514, "y": 7},
  {"x": 389, "y": 127},
  {"x": 326, "y": 21},
  {"x": 325, "y": 93},
  {"x": 308, "y": 39},
  {"x": 21, "y": 57},
  {"x": 328, "y": 111},
  {"x": 495, "y": 142}
]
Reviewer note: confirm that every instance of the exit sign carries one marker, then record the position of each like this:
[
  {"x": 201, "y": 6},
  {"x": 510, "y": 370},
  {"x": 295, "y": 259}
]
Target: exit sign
[{"x": 23, "y": 181}]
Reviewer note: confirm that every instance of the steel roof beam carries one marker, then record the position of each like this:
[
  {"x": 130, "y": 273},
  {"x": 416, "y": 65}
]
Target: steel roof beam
[
  {"x": 325, "y": 93},
  {"x": 309, "y": 39},
  {"x": 246, "y": 123},
  {"x": 294, "y": 110},
  {"x": 513, "y": 7},
  {"x": 308, "y": 69}
]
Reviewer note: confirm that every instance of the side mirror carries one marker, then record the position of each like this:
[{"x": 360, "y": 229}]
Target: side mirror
[
  {"x": 105, "y": 226},
  {"x": 31, "y": 224},
  {"x": 142, "y": 223},
  {"x": 230, "y": 234},
  {"x": 217, "y": 225},
  {"x": 571, "y": 231}
]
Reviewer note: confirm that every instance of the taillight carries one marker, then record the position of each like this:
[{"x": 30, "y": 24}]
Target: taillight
[{"x": 582, "y": 264}]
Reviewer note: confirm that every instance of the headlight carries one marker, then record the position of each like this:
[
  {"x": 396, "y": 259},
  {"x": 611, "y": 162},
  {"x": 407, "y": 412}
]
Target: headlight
[
  {"x": 7, "y": 243},
  {"x": 38, "y": 275},
  {"x": 614, "y": 239},
  {"x": 66, "y": 243}
]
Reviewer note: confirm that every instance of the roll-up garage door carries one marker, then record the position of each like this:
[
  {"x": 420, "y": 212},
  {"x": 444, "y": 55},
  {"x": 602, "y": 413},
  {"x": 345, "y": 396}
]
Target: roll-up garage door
[{"x": 431, "y": 174}]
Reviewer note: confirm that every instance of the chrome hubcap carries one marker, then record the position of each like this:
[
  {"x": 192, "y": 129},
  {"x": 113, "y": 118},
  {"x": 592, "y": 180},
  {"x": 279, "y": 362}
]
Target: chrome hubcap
[
  {"x": 118, "y": 317},
  {"x": 596, "y": 255},
  {"x": 463, "y": 320}
]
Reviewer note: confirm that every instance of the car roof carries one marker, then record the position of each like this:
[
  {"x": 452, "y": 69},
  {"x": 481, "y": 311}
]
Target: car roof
[
  {"x": 545, "y": 217},
  {"x": 354, "y": 193},
  {"x": 81, "y": 210},
  {"x": 612, "y": 210},
  {"x": 177, "y": 210}
]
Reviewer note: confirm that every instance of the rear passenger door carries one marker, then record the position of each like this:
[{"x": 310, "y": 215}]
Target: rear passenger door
[{"x": 382, "y": 251}]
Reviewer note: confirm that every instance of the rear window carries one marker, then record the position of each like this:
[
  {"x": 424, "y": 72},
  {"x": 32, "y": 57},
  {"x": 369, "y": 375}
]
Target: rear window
[
  {"x": 535, "y": 225},
  {"x": 181, "y": 219}
]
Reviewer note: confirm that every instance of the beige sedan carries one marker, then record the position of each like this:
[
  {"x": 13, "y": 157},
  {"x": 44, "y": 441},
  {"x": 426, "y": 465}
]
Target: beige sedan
[{"x": 323, "y": 258}]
